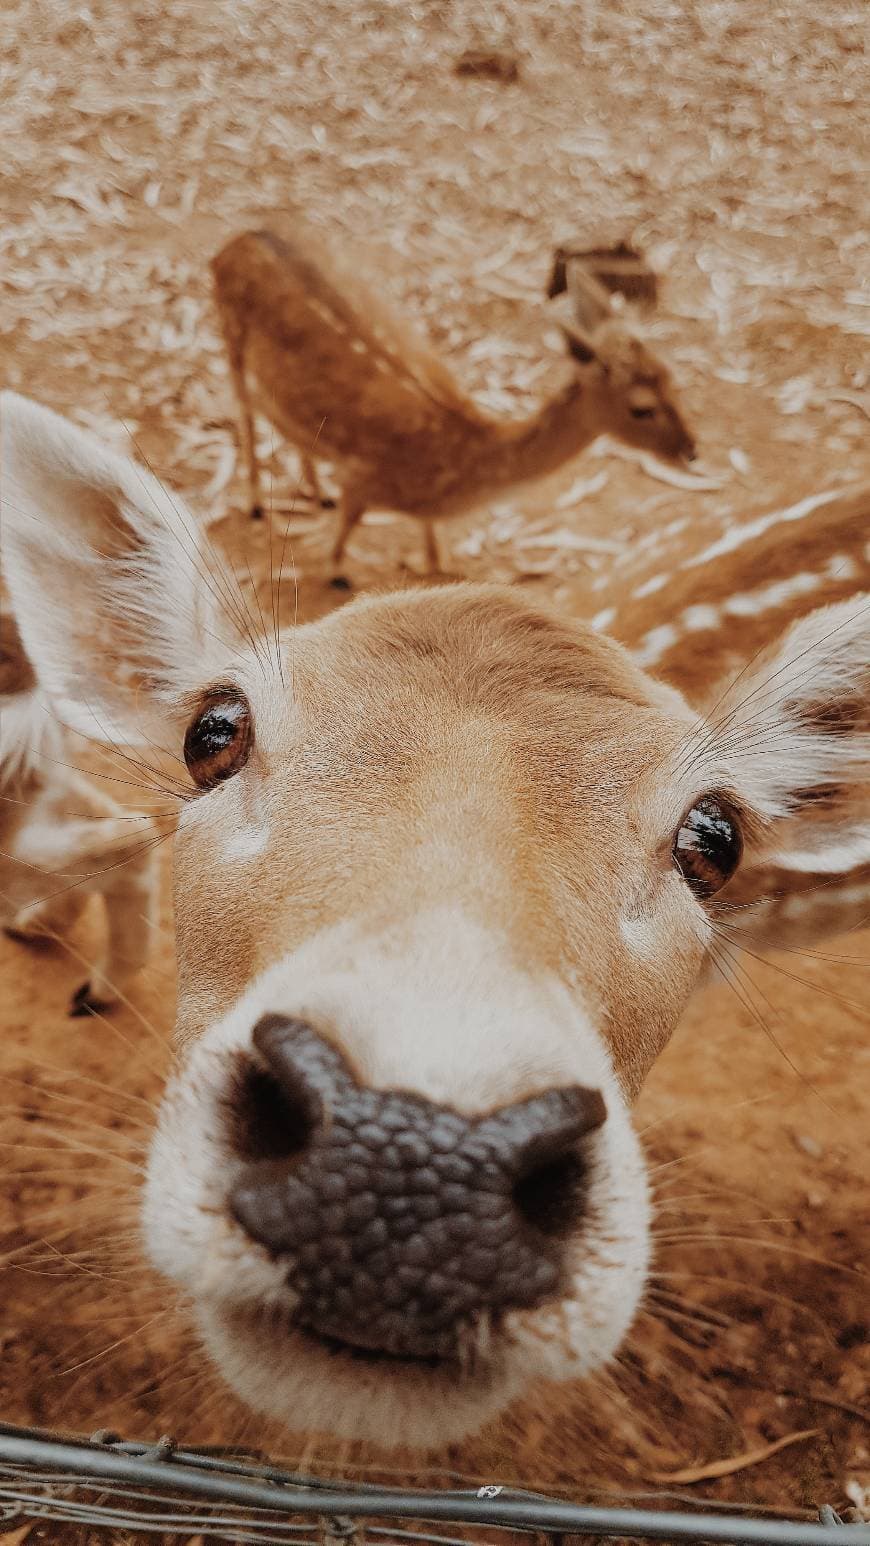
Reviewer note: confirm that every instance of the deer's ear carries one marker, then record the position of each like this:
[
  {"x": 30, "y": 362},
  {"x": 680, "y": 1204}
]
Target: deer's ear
[
  {"x": 106, "y": 576},
  {"x": 793, "y": 734},
  {"x": 590, "y": 301},
  {"x": 798, "y": 718},
  {"x": 580, "y": 346}
]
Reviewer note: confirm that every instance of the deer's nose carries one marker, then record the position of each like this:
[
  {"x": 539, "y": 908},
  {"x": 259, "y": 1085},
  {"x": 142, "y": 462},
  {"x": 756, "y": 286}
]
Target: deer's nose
[{"x": 400, "y": 1221}]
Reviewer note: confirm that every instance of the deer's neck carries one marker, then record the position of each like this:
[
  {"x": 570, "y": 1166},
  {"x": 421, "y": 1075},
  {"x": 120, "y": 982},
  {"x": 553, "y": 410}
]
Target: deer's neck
[{"x": 532, "y": 447}]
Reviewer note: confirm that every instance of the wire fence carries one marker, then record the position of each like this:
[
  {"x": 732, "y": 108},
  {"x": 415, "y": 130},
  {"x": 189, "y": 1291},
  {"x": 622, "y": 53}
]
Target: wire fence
[{"x": 156, "y": 1490}]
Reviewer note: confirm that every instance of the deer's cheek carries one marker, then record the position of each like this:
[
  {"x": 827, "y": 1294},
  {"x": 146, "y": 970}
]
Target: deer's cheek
[
  {"x": 654, "y": 973},
  {"x": 217, "y": 927}
]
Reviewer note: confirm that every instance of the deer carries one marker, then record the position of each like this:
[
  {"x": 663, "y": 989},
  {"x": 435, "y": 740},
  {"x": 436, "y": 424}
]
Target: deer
[
  {"x": 342, "y": 376},
  {"x": 448, "y": 870},
  {"x": 63, "y": 839}
]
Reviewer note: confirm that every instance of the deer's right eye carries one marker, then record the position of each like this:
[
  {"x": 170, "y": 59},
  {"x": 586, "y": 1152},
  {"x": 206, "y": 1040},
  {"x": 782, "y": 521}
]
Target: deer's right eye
[
  {"x": 219, "y": 740},
  {"x": 642, "y": 413},
  {"x": 708, "y": 846}
]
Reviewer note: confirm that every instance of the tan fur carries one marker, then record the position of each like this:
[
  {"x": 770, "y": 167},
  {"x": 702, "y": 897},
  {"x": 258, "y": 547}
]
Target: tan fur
[
  {"x": 830, "y": 542},
  {"x": 16, "y": 672},
  {"x": 63, "y": 839},
  {"x": 344, "y": 377},
  {"x": 451, "y": 852},
  {"x": 482, "y": 735}
]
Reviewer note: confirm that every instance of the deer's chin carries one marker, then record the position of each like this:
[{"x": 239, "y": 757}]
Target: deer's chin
[{"x": 315, "y": 1385}]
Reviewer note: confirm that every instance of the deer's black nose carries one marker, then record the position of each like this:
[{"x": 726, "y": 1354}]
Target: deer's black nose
[{"x": 401, "y": 1221}]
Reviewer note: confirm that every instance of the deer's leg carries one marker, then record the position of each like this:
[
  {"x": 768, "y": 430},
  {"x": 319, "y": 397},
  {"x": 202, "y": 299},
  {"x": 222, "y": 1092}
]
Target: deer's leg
[
  {"x": 351, "y": 511},
  {"x": 130, "y": 895},
  {"x": 111, "y": 855},
  {"x": 309, "y": 476},
  {"x": 235, "y": 342}
]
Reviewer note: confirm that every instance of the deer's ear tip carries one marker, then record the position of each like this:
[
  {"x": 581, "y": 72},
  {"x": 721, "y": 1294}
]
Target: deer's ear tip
[
  {"x": 16, "y": 402},
  {"x": 579, "y": 345},
  {"x": 21, "y": 417},
  {"x": 13, "y": 406}
]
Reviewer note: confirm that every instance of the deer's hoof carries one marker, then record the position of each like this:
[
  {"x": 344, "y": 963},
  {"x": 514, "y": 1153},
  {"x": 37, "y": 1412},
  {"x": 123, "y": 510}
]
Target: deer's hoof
[{"x": 85, "y": 1002}]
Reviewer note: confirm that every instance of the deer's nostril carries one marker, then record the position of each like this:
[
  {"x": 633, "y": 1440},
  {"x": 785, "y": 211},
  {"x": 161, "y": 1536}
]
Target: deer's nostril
[
  {"x": 267, "y": 1121},
  {"x": 279, "y": 1100},
  {"x": 550, "y": 1196}
]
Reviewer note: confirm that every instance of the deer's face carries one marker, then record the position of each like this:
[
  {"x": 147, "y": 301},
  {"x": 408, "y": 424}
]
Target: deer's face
[
  {"x": 633, "y": 391},
  {"x": 431, "y": 935},
  {"x": 444, "y": 887},
  {"x": 651, "y": 418},
  {"x": 652, "y": 422}
]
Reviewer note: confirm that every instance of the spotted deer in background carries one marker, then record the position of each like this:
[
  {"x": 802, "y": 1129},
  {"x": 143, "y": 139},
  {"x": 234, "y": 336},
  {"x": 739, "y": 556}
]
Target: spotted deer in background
[
  {"x": 336, "y": 369},
  {"x": 450, "y": 869}
]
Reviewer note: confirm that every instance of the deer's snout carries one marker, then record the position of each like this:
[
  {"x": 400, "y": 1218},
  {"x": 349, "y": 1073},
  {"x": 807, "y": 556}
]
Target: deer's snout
[{"x": 401, "y": 1221}]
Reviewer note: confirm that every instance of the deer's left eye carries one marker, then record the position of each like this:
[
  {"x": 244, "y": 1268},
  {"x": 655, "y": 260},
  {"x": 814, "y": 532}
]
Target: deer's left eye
[
  {"x": 708, "y": 845},
  {"x": 219, "y": 740},
  {"x": 642, "y": 413}
]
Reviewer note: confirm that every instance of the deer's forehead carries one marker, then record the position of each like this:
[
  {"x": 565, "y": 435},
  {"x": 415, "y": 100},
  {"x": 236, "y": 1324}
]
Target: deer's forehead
[
  {"x": 462, "y": 692},
  {"x": 467, "y": 698},
  {"x": 476, "y": 652},
  {"x": 384, "y": 766}
]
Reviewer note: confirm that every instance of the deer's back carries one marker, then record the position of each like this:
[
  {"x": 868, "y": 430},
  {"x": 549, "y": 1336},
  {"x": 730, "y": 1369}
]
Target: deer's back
[
  {"x": 333, "y": 366},
  {"x": 692, "y": 612}
]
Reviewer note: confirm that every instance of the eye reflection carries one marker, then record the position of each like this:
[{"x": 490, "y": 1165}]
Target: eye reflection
[
  {"x": 219, "y": 740},
  {"x": 708, "y": 845}
]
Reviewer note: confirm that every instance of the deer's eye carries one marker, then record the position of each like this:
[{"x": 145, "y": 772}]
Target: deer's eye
[
  {"x": 642, "y": 413},
  {"x": 708, "y": 845},
  {"x": 219, "y": 740}
]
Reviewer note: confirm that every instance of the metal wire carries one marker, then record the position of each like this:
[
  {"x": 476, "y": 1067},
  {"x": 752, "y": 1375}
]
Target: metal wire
[{"x": 169, "y": 1489}]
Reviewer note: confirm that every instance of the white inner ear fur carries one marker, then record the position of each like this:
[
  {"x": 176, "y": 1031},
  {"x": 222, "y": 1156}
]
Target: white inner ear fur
[
  {"x": 101, "y": 563},
  {"x": 764, "y": 737}
]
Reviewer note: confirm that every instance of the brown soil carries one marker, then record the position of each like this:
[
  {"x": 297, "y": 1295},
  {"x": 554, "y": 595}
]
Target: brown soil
[{"x": 726, "y": 141}]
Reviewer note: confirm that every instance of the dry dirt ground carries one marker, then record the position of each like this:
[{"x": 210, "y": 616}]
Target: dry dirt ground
[{"x": 729, "y": 140}]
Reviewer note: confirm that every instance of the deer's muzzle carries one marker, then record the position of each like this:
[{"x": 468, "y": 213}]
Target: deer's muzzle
[{"x": 401, "y": 1221}]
